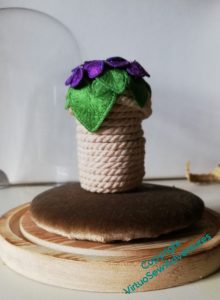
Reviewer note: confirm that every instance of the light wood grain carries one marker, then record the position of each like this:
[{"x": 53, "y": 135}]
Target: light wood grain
[
  {"x": 97, "y": 267},
  {"x": 145, "y": 247}
]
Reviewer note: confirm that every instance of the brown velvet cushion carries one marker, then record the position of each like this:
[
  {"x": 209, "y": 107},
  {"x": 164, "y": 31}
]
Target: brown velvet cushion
[{"x": 146, "y": 212}]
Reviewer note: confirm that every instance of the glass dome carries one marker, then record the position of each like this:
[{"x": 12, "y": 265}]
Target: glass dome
[{"x": 37, "y": 53}]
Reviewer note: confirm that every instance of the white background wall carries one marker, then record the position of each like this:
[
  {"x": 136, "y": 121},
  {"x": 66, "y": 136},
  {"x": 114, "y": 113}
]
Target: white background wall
[{"x": 179, "y": 44}]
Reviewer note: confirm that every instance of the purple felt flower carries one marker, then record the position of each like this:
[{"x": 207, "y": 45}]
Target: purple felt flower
[
  {"x": 95, "y": 68},
  {"x": 76, "y": 77},
  {"x": 69, "y": 80},
  {"x": 135, "y": 69},
  {"x": 117, "y": 62}
]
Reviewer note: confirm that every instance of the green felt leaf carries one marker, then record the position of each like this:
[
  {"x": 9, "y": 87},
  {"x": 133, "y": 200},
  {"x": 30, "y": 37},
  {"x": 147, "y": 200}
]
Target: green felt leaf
[
  {"x": 115, "y": 80},
  {"x": 141, "y": 90},
  {"x": 90, "y": 106}
]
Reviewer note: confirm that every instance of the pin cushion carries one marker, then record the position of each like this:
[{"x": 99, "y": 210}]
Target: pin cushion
[{"x": 109, "y": 99}]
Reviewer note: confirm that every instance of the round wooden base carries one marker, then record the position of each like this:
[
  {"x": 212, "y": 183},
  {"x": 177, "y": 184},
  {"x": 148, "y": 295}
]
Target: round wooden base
[{"x": 92, "y": 266}]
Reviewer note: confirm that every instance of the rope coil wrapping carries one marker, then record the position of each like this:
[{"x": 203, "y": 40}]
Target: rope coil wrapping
[{"x": 111, "y": 159}]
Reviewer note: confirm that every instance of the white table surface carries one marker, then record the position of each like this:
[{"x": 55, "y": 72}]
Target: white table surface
[{"x": 16, "y": 287}]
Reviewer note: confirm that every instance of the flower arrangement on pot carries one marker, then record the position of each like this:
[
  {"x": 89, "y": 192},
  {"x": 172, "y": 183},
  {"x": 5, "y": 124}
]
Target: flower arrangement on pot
[{"x": 109, "y": 99}]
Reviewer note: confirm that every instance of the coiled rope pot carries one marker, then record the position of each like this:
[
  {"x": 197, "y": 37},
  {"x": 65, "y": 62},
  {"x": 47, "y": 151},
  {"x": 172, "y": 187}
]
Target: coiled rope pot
[{"x": 111, "y": 159}]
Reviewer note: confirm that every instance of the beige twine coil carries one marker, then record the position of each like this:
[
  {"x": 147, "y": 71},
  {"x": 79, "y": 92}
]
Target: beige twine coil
[{"x": 111, "y": 159}]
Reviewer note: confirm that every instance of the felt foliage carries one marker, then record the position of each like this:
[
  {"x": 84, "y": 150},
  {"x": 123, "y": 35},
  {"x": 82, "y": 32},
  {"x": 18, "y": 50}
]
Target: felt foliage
[{"x": 92, "y": 102}]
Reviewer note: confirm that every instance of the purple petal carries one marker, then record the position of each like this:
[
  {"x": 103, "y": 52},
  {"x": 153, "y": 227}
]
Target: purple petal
[
  {"x": 69, "y": 80},
  {"x": 77, "y": 76},
  {"x": 94, "y": 67},
  {"x": 135, "y": 69},
  {"x": 117, "y": 62}
]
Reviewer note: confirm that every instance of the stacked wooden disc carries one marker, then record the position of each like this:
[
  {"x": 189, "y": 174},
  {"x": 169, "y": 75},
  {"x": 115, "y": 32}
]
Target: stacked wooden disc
[{"x": 93, "y": 266}]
